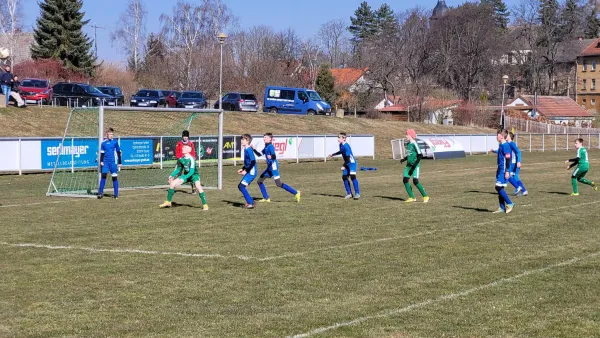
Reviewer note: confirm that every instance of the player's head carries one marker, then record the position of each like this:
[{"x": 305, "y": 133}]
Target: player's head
[
  {"x": 510, "y": 137},
  {"x": 268, "y": 137},
  {"x": 186, "y": 150},
  {"x": 185, "y": 135},
  {"x": 411, "y": 134},
  {"x": 342, "y": 137},
  {"x": 578, "y": 143},
  {"x": 110, "y": 133},
  {"x": 501, "y": 135},
  {"x": 246, "y": 139}
]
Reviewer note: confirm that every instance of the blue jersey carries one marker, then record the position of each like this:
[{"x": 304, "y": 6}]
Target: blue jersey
[
  {"x": 270, "y": 154},
  {"x": 504, "y": 157},
  {"x": 515, "y": 153},
  {"x": 249, "y": 158},
  {"x": 346, "y": 153},
  {"x": 110, "y": 151}
]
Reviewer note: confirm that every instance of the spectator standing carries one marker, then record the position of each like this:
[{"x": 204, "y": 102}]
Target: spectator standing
[{"x": 6, "y": 80}]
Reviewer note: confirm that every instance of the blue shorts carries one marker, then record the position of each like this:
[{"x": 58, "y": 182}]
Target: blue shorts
[
  {"x": 249, "y": 177},
  {"x": 500, "y": 180},
  {"x": 110, "y": 167},
  {"x": 272, "y": 171},
  {"x": 349, "y": 169}
]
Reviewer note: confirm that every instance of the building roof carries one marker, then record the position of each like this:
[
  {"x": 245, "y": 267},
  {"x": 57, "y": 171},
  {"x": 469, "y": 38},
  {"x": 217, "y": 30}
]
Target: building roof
[
  {"x": 568, "y": 51},
  {"x": 346, "y": 77},
  {"x": 440, "y": 10},
  {"x": 593, "y": 49},
  {"x": 556, "y": 106}
]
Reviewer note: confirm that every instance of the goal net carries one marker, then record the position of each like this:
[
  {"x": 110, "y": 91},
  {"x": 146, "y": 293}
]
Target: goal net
[{"x": 147, "y": 138}]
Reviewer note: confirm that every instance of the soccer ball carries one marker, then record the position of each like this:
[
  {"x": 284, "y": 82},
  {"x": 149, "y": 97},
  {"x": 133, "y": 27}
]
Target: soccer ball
[{"x": 4, "y": 53}]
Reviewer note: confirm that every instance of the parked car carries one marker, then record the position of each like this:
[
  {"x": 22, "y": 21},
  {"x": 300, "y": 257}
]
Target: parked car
[
  {"x": 302, "y": 101},
  {"x": 36, "y": 90},
  {"x": 148, "y": 98},
  {"x": 116, "y": 93},
  {"x": 192, "y": 100},
  {"x": 172, "y": 99},
  {"x": 79, "y": 94},
  {"x": 239, "y": 102}
]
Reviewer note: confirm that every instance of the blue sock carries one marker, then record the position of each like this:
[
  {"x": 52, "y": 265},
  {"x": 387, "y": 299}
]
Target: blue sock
[
  {"x": 116, "y": 187},
  {"x": 501, "y": 201},
  {"x": 102, "y": 184},
  {"x": 513, "y": 181},
  {"x": 347, "y": 186},
  {"x": 522, "y": 186},
  {"x": 289, "y": 189},
  {"x": 355, "y": 183},
  {"x": 247, "y": 196},
  {"x": 504, "y": 196},
  {"x": 263, "y": 190}
]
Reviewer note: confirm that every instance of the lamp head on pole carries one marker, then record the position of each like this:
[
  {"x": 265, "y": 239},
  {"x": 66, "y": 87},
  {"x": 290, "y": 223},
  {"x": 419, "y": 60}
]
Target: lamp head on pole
[
  {"x": 505, "y": 79},
  {"x": 222, "y": 36}
]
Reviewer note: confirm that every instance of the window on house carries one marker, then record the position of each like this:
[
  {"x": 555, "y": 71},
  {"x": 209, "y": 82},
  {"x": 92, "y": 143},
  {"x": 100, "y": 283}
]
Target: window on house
[
  {"x": 584, "y": 65},
  {"x": 593, "y": 65},
  {"x": 584, "y": 84},
  {"x": 593, "y": 84},
  {"x": 593, "y": 102}
]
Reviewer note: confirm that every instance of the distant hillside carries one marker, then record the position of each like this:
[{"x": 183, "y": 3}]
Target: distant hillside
[{"x": 35, "y": 121}]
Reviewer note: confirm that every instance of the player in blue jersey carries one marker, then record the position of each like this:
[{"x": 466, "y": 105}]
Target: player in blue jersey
[
  {"x": 110, "y": 161},
  {"x": 349, "y": 168},
  {"x": 503, "y": 172},
  {"x": 248, "y": 171},
  {"x": 515, "y": 167},
  {"x": 272, "y": 170}
]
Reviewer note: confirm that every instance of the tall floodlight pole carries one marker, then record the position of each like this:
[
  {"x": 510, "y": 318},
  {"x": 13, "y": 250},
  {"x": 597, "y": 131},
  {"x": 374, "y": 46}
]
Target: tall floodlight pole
[
  {"x": 221, "y": 37},
  {"x": 502, "y": 115}
]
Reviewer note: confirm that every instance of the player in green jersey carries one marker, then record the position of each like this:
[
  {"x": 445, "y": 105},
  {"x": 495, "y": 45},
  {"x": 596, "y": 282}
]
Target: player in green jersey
[
  {"x": 583, "y": 165},
  {"x": 413, "y": 166},
  {"x": 185, "y": 171}
]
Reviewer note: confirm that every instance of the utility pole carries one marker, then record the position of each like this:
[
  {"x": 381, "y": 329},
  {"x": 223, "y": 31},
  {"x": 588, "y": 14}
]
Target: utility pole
[{"x": 95, "y": 27}]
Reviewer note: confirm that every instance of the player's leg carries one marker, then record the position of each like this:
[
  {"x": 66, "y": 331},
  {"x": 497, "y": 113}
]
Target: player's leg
[
  {"x": 174, "y": 183},
  {"x": 114, "y": 173},
  {"x": 201, "y": 194},
  {"x": 352, "y": 167},
  {"x": 243, "y": 189},
  {"x": 103, "y": 175},
  {"x": 406, "y": 181},
  {"x": 345, "y": 177},
  {"x": 263, "y": 189},
  {"x": 419, "y": 185},
  {"x": 512, "y": 179},
  {"x": 581, "y": 178},
  {"x": 521, "y": 185},
  {"x": 505, "y": 203},
  {"x": 574, "y": 182}
]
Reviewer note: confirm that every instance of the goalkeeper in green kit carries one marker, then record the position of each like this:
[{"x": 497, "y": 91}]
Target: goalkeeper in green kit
[
  {"x": 413, "y": 166},
  {"x": 583, "y": 165},
  {"x": 188, "y": 172}
]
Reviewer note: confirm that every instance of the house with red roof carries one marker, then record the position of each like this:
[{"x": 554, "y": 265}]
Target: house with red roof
[
  {"x": 555, "y": 109},
  {"x": 353, "y": 80}
]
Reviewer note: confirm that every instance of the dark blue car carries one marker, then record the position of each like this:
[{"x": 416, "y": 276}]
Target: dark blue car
[{"x": 194, "y": 100}]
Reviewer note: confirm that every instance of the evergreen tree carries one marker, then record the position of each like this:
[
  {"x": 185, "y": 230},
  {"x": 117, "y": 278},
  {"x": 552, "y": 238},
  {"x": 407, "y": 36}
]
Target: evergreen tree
[
  {"x": 549, "y": 18},
  {"x": 570, "y": 16},
  {"x": 592, "y": 27},
  {"x": 363, "y": 23},
  {"x": 58, "y": 35},
  {"x": 385, "y": 19},
  {"x": 501, "y": 13},
  {"x": 325, "y": 84}
]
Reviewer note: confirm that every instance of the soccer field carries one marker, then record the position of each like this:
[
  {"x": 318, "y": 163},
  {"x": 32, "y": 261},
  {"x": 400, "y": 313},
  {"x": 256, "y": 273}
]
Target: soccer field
[{"x": 326, "y": 267}]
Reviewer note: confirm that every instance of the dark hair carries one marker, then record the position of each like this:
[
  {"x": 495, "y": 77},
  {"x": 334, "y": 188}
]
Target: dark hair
[
  {"x": 185, "y": 133},
  {"x": 580, "y": 140},
  {"x": 512, "y": 135},
  {"x": 343, "y": 135},
  {"x": 247, "y": 137},
  {"x": 269, "y": 134},
  {"x": 503, "y": 132},
  {"x": 110, "y": 130}
]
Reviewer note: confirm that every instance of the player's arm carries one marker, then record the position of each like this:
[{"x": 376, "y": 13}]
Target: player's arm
[
  {"x": 191, "y": 172},
  {"x": 256, "y": 152},
  {"x": 250, "y": 166},
  {"x": 573, "y": 161},
  {"x": 177, "y": 170},
  {"x": 119, "y": 154}
]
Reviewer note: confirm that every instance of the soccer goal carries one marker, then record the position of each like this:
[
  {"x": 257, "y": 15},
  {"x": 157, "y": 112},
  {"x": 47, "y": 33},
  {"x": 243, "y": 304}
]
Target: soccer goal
[{"x": 147, "y": 138}]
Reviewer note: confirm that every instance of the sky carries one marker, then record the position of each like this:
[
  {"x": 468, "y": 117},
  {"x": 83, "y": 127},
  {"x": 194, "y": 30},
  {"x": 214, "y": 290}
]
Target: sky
[{"x": 305, "y": 16}]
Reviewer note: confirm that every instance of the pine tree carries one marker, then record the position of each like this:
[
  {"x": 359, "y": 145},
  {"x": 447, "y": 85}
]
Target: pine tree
[
  {"x": 59, "y": 35},
  {"x": 592, "y": 27},
  {"x": 363, "y": 23},
  {"x": 325, "y": 84},
  {"x": 501, "y": 13},
  {"x": 385, "y": 19},
  {"x": 570, "y": 17}
]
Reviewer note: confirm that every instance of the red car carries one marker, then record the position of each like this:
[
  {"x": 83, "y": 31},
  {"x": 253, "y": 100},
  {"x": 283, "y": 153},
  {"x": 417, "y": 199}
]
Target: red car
[{"x": 36, "y": 90}]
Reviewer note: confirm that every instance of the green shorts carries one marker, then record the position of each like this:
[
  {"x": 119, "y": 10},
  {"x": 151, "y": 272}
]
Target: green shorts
[
  {"x": 415, "y": 173},
  {"x": 192, "y": 179},
  {"x": 580, "y": 172}
]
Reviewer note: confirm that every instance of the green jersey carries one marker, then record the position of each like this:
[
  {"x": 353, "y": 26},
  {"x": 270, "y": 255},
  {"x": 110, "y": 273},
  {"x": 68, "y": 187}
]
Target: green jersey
[
  {"x": 412, "y": 152},
  {"x": 582, "y": 155},
  {"x": 186, "y": 169}
]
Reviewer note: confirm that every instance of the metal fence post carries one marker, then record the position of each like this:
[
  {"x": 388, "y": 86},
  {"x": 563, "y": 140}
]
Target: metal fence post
[
  {"x": 554, "y": 142},
  {"x": 72, "y": 155},
  {"x": 530, "y": 141},
  {"x": 234, "y": 155},
  {"x": 543, "y": 142},
  {"x": 160, "y": 154},
  {"x": 471, "y": 145},
  {"x": 19, "y": 157},
  {"x": 325, "y": 148},
  {"x": 297, "y": 150},
  {"x": 567, "y": 141}
]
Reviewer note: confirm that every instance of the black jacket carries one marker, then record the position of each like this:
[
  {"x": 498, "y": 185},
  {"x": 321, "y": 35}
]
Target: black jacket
[
  {"x": 6, "y": 79},
  {"x": 15, "y": 85}
]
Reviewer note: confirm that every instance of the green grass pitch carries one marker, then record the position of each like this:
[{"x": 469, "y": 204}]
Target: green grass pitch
[{"x": 326, "y": 267}]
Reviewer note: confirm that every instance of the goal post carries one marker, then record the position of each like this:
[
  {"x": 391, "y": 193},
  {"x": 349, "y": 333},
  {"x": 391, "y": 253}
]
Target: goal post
[{"x": 147, "y": 138}]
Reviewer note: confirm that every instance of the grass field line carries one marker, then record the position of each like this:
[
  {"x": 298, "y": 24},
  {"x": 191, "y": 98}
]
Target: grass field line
[
  {"x": 271, "y": 258},
  {"x": 447, "y": 297},
  {"x": 419, "y": 234}
]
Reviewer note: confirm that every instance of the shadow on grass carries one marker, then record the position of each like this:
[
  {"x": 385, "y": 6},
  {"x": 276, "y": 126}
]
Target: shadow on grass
[
  {"x": 179, "y": 205},
  {"x": 470, "y": 208},
  {"x": 556, "y": 193},
  {"x": 328, "y": 195},
  {"x": 234, "y": 204},
  {"x": 391, "y": 198},
  {"x": 482, "y": 192}
]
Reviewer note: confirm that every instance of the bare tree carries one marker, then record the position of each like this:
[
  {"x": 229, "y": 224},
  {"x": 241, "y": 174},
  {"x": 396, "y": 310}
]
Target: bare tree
[
  {"x": 10, "y": 24},
  {"x": 311, "y": 58},
  {"x": 131, "y": 34},
  {"x": 335, "y": 42}
]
